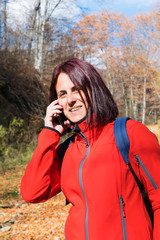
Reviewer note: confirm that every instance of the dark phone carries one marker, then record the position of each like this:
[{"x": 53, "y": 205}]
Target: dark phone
[{"x": 60, "y": 118}]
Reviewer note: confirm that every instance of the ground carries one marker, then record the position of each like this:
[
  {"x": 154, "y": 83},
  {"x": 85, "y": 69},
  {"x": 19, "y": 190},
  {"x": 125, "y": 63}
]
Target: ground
[
  {"x": 21, "y": 220},
  {"x": 155, "y": 129}
]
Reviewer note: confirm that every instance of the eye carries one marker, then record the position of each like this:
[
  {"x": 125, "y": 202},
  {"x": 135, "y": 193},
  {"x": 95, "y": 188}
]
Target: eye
[
  {"x": 61, "y": 94},
  {"x": 74, "y": 89}
]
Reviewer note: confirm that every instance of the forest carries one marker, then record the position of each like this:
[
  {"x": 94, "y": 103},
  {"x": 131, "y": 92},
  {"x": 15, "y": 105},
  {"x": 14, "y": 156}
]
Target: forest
[
  {"x": 34, "y": 38},
  {"x": 125, "y": 50}
]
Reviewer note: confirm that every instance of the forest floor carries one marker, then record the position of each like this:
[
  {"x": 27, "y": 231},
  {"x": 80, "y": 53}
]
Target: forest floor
[
  {"x": 155, "y": 129},
  {"x": 21, "y": 220}
]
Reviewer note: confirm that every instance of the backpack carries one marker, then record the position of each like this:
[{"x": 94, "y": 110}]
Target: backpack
[{"x": 123, "y": 145}]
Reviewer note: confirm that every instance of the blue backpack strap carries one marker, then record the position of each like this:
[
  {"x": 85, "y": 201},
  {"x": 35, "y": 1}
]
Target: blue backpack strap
[
  {"x": 123, "y": 144},
  {"x": 121, "y": 137},
  {"x": 64, "y": 146}
]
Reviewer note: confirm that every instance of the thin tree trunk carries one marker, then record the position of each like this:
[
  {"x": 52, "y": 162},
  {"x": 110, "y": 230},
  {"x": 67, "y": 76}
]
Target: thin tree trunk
[
  {"x": 39, "y": 55},
  {"x": 131, "y": 102},
  {"x": 38, "y": 3},
  {"x": 125, "y": 97},
  {"x": 0, "y": 23},
  {"x": 135, "y": 110},
  {"x": 5, "y": 26},
  {"x": 144, "y": 101}
]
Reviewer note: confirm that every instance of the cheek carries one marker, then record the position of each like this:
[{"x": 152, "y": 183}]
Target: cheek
[{"x": 62, "y": 102}]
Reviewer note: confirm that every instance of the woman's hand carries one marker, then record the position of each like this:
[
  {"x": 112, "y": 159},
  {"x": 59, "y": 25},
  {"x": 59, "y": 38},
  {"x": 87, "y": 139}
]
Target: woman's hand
[{"x": 53, "y": 109}]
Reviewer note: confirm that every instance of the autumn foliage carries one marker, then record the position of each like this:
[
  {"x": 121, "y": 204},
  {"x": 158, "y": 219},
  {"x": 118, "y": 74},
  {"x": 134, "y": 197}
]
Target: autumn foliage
[{"x": 127, "y": 52}]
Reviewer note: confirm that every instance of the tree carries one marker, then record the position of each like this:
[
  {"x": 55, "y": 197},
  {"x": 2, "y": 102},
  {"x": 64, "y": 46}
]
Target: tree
[
  {"x": 30, "y": 40},
  {"x": 33, "y": 33},
  {"x": 128, "y": 51},
  {"x": 3, "y": 25}
]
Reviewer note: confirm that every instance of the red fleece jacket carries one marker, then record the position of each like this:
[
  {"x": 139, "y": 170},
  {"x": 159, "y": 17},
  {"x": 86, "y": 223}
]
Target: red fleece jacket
[{"x": 106, "y": 202}]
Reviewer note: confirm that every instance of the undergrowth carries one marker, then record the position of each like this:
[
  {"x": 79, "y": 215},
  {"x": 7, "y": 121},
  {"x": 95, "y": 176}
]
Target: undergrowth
[{"x": 16, "y": 144}]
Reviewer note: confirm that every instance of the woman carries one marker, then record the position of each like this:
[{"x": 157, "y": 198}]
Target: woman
[{"x": 92, "y": 174}]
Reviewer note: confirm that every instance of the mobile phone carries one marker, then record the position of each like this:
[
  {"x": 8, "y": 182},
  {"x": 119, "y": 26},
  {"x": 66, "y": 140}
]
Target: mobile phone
[{"x": 59, "y": 119}]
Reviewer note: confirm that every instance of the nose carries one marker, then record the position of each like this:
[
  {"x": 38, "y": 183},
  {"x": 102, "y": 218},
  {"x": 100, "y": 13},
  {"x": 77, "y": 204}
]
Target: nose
[{"x": 71, "y": 99}]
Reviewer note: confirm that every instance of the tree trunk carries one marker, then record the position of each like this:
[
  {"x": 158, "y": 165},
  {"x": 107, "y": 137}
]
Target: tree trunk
[
  {"x": 39, "y": 56},
  {"x": 144, "y": 101},
  {"x": 30, "y": 40},
  {"x": 5, "y": 26},
  {"x": 125, "y": 97},
  {"x": 0, "y": 23},
  {"x": 133, "y": 103},
  {"x": 135, "y": 110},
  {"x": 39, "y": 52}
]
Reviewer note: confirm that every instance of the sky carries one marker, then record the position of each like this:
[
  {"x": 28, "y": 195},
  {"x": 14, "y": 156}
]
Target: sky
[
  {"x": 127, "y": 7},
  {"x": 20, "y": 9}
]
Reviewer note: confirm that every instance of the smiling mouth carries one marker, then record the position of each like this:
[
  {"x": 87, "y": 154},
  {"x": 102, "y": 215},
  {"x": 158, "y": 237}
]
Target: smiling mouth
[{"x": 74, "y": 109}]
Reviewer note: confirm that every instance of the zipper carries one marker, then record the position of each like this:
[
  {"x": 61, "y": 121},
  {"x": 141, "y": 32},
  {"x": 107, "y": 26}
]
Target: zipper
[
  {"x": 81, "y": 183},
  {"x": 123, "y": 216},
  {"x": 139, "y": 161}
]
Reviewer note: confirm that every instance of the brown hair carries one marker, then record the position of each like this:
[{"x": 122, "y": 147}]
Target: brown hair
[{"x": 86, "y": 78}]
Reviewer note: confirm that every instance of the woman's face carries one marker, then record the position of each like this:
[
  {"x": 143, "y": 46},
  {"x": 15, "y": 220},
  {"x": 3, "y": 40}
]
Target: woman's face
[{"x": 69, "y": 98}]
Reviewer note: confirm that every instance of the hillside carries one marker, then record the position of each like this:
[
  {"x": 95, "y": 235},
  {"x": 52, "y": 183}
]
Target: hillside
[
  {"x": 23, "y": 100},
  {"x": 22, "y": 95}
]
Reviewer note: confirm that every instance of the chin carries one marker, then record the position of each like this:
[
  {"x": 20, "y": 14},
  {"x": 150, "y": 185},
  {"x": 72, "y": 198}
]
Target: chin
[
  {"x": 80, "y": 120},
  {"x": 75, "y": 119}
]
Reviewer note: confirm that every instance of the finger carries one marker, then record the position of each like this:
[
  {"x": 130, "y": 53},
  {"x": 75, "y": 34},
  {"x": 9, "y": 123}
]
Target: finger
[
  {"x": 52, "y": 104},
  {"x": 66, "y": 123},
  {"x": 54, "y": 109}
]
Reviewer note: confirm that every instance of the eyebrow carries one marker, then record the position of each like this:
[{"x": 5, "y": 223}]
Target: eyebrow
[
  {"x": 61, "y": 91},
  {"x": 72, "y": 88}
]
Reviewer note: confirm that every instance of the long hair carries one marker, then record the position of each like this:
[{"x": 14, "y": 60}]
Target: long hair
[{"x": 102, "y": 108}]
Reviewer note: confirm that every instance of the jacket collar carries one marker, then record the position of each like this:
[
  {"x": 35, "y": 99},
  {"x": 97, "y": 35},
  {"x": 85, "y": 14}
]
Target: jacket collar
[
  {"x": 80, "y": 129},
  {"x": 78, "y": 126}
]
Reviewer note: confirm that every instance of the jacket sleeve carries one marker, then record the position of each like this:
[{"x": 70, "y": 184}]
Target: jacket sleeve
[
  {"x": 145, "y": 144},
  {"x": 41, "y": 179}
]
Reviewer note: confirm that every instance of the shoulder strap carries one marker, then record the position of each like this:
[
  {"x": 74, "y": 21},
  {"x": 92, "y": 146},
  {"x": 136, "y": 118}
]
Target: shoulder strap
[
  {"x": 64, "y": 146},
  {"x": 123, "y": 144},
  {"x": 121, "y": 137}
]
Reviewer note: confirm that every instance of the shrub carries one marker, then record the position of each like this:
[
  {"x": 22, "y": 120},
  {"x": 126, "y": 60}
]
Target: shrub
[{"x": 13, "y": 139}]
